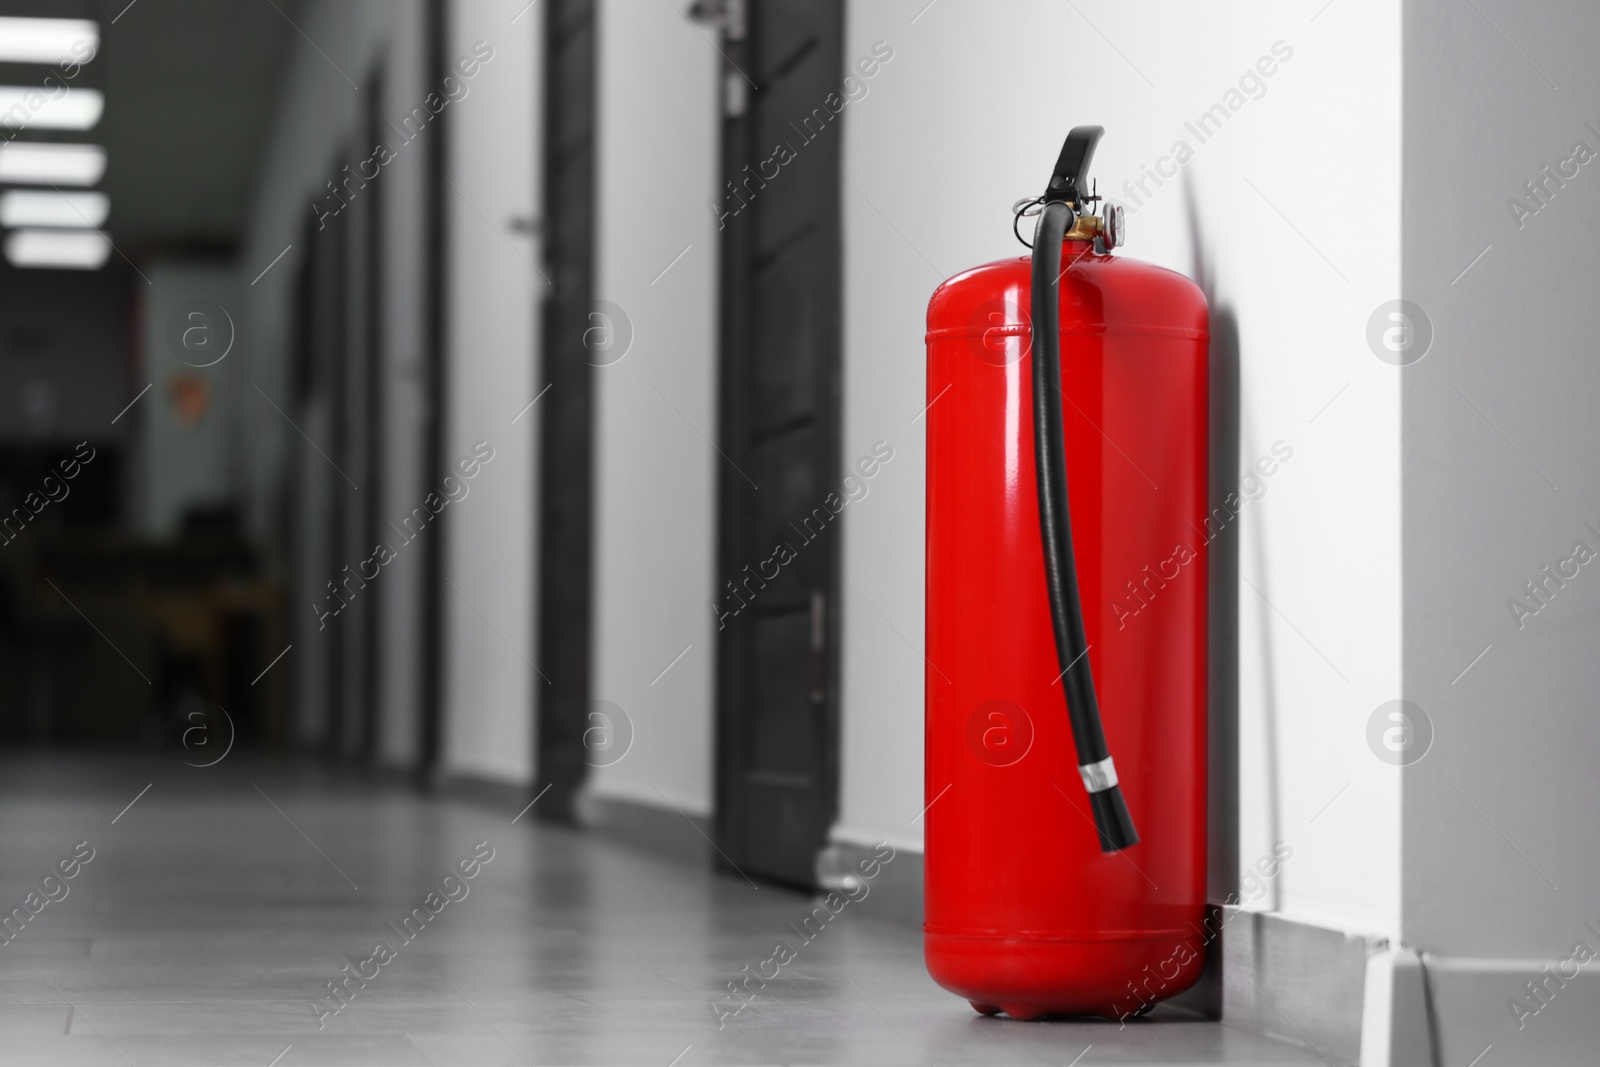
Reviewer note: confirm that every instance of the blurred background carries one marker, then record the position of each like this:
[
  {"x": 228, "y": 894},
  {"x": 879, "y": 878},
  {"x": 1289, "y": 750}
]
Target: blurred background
[
  {"x": 256, "y": 428},
  {"x": 386, "y": 385}
]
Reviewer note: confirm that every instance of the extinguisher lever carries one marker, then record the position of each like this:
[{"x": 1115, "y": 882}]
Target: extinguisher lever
[{"x": 1072, "y": 165}]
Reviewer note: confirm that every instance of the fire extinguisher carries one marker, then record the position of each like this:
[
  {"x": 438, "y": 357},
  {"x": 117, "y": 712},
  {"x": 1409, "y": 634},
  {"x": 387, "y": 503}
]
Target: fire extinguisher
[{"x": 1066, "y": 610}]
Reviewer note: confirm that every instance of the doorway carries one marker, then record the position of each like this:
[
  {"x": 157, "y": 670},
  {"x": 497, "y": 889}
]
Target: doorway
[{"x": 777, "y": 672}]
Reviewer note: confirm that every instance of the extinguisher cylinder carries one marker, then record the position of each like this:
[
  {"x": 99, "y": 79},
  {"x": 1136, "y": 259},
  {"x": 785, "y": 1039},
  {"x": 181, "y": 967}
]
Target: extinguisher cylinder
[{"x": 1025, "y": 910}]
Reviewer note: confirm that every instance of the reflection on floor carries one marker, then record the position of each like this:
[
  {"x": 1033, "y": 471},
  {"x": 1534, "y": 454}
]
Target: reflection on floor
[{"x": 203, "y": 924}]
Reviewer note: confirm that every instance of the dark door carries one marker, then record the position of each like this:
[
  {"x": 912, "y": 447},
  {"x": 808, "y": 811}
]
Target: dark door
[
  {"x": 352, "y": 376},
  {"x": 778, "y": 711},
  {"x": 434, "y": 463},
  {"x": 372, "y": 422},
  {"x": 567, "y": 415},
  {"x": 321, "y": 460}
]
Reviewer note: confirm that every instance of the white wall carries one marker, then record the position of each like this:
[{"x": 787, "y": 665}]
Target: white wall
[
  {"x": 933, "y": 162},
  {"x": 183, "y": 465},
  {"x": 655, "y": 474},
  {"x": 319, "y": 111},
  {"x": 1499, "y": 439},
  {"x": 490, "y": 682},
  {"x": 968, "y": 117}
]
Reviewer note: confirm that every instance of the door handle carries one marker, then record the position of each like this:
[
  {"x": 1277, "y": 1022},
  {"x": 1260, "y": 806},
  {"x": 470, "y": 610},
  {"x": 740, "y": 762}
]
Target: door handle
[
  {"x": 819, "y": 643},
  {"x": 726, "y": 15}
]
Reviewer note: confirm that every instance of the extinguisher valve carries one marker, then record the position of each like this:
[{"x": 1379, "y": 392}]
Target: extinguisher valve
[{"x": 1098, "y": 777}]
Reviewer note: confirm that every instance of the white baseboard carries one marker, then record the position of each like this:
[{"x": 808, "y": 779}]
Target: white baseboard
[
  {"x": 896, "y": 893},
  {"x": 1302, "y": 983},
  {"x": 1474, "y": 1009},
  {"x": 648, "y": 827},
  {"x": 1396, "y": 1024}
]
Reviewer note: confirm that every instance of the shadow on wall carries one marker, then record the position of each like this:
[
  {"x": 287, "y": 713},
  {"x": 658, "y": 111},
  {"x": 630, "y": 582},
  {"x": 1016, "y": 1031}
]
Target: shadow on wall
[{"x": 1223, "y": 614}]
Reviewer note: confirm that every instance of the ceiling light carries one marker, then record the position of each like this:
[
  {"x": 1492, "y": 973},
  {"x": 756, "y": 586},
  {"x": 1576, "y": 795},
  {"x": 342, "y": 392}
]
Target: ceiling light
[
  {"x": 48, "y": 40},
  {"x": 43, "y": 163},
  {"x": 22, "y": 108},
  {"x": 72, "y": 249},
  {"x": 38, "y": 207}
]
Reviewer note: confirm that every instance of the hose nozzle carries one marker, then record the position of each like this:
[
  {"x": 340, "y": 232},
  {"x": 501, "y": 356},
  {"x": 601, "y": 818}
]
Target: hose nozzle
[{"x": 1111, "y": 818}]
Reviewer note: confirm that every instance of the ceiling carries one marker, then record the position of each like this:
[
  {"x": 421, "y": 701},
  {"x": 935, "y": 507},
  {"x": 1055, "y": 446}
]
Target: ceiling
[{"x": 190, "y": 87}]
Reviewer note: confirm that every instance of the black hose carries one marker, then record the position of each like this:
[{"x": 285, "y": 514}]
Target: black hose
[{"x": 1111, "y": 816}]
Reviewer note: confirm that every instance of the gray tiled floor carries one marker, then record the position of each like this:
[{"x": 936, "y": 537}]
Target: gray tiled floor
[{"x": 205, "y": 926}]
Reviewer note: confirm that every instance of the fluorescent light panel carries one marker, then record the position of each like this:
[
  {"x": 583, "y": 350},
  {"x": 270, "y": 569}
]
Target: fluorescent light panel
[
  {"x": 68, "y": 249},
  {"x": 47, "y": 40},
  {"x": 44, "y": 163},
  {"x": 25, "y": 108},
  {"x": 39, "y": 207}
]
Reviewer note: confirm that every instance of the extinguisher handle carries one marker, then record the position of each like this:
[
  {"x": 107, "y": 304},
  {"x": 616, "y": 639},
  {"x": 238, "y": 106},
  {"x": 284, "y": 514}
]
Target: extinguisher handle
[{"x": 1066, "y": 181}]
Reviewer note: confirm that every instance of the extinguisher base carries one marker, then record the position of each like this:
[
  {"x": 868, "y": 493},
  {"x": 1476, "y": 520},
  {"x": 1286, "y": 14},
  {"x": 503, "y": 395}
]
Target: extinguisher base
[
  {"x": 1032, "y": 976},
  {"x": 1111, "y": 818}
]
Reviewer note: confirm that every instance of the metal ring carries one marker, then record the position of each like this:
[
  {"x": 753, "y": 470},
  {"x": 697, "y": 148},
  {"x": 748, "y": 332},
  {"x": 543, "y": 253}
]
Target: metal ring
[
  {"x": 1099, "y": 776},
  {"x": 1019, "y": 211}
]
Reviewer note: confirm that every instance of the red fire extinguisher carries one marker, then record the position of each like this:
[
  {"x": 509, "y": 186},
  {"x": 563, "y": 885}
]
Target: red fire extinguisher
[{"x": 1066, "y": 610}]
